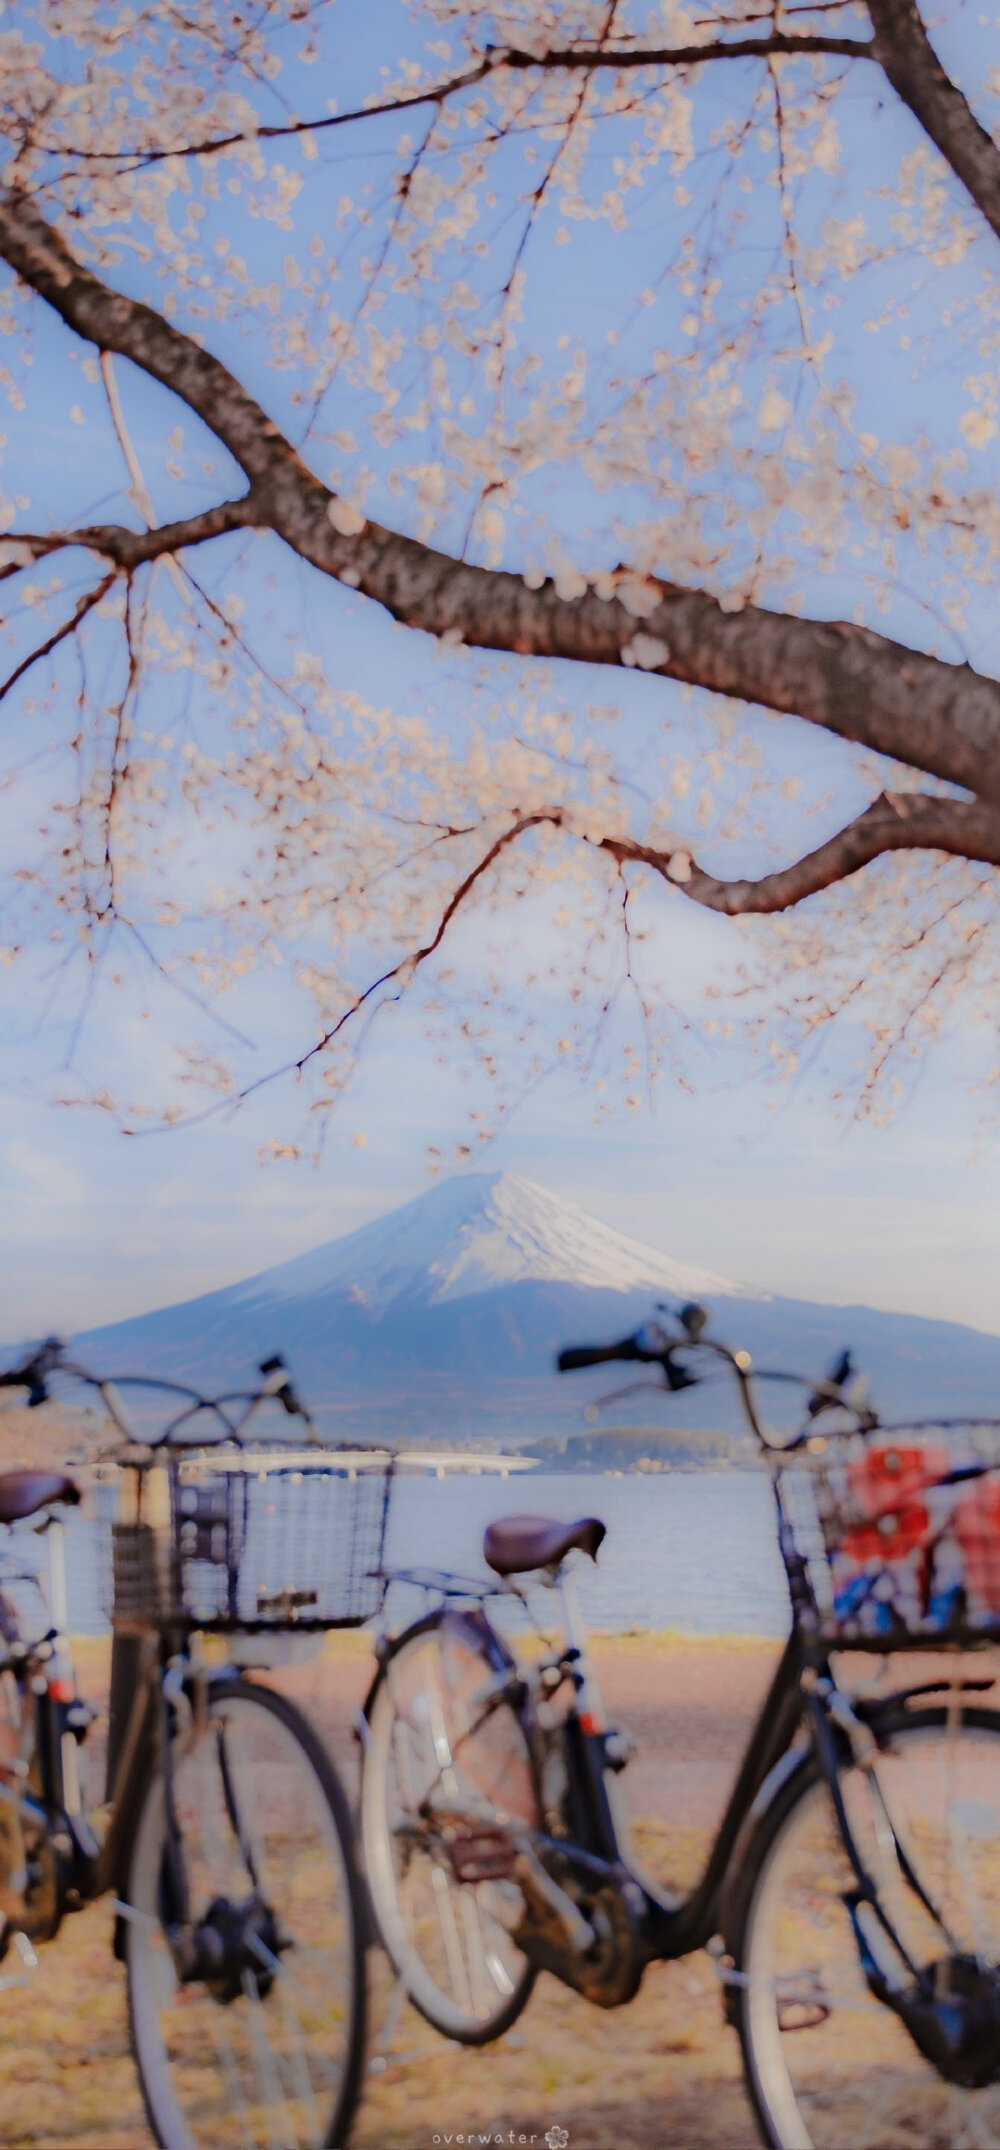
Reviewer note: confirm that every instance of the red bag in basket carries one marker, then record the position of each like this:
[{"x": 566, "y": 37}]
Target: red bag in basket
[
  {"x": 977, "y": 1528},
  {"x": 885, "y": 1486}
]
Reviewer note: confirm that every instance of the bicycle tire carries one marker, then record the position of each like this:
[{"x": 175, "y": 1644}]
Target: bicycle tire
[
  {"x": 464, "y": 1941},
  {"x": 863, "y": 2081},
  {"x": 258, "y": 2048}
]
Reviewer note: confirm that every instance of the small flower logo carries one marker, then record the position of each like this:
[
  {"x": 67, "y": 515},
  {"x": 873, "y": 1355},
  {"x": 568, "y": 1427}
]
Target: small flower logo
[{"x": 557, "y": 2138}]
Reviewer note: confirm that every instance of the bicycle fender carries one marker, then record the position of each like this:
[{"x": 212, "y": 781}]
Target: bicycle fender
[
  {"x": 470, "y": 1625},
  {"x": 870, "y": 1712}
]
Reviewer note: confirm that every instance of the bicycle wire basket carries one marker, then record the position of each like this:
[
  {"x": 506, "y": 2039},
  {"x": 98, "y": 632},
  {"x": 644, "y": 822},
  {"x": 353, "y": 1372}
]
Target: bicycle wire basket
[
  {"x": 898, "y": 1533},
  {"x": 251, "y": 1539}
]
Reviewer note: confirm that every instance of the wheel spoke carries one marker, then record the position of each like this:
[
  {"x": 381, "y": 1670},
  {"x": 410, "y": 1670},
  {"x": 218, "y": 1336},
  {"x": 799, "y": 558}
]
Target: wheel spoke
[
  {"x": 236, "y": 2096},
  {"x": 428, "y": 1749},
  {"x": 297, "y": 2049},
  {"x": 268, "y": 2054},
  {"x": 239, "y": 1795},
  {"x": 476, "y": 1954},
  {"x": 925, "y": 1822},
  {"x": 265, "y": 2066},
  {"x": 492, "y": 1934},
  {"x": 974, "y": 2127},
  {"x": 445, "y": 1908}
]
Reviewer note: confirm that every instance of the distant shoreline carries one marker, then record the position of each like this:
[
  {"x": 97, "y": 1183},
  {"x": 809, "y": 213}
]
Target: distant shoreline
[
  {"x": 647, "y": 1467},
  {"x": 649, "y": 1451}
]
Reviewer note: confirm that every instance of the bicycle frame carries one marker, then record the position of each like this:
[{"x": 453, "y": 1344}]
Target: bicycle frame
[
  {"x": 674, "y": 1929},
  {"x": 88, "y": 1865},
  {"x": 536, "y": 1805},
  {"x": 201, "y": 1869},
  {"x": 804, "y": 1713},
  {"x": 141, "y": 1694}
]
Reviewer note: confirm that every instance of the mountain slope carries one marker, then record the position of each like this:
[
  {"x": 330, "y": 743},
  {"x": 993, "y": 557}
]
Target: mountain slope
[
  {"x": 474, "y": 1234},
  {"x": 441, "y": 1321}
]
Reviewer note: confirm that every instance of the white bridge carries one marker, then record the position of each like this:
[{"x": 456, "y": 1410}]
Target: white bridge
[{"x": 198, "y": 1463}]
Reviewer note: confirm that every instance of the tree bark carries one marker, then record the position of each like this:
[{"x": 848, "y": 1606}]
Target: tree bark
[
  {"x": 904, "y": 51},
  {"x": 896, "y": 821},
  {"x": 939, "y": 718}
]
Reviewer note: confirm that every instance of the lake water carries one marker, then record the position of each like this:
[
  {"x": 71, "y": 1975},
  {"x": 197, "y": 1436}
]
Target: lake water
[{"x": 692, "y": 1551}]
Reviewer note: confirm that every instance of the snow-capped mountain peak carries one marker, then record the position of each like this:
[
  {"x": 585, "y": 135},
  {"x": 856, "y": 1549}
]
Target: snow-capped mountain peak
[
  {"x": 440, "y": 1322},
  {"x": 473, "y": 1233}
]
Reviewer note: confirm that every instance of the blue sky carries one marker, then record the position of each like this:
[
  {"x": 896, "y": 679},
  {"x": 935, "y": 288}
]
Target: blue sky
[
  {"x": 765, "y": 1184},
  {"x": 766, "y": 1187}
]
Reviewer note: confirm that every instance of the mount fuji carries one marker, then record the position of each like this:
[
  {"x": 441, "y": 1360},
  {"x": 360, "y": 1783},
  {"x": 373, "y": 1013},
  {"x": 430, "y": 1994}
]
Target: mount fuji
[
  {"x": 440, "y": 1321},
  {"x": 477, "y": 1234}
]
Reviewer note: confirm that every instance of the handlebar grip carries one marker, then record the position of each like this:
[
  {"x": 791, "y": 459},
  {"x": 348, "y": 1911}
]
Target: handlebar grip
[
  {"x": 283, "y": 1391},
  {"x": 32, "y": 1374},
  {"x": 30, "y": 1377},
  {"x": 596, "y": 1354}
]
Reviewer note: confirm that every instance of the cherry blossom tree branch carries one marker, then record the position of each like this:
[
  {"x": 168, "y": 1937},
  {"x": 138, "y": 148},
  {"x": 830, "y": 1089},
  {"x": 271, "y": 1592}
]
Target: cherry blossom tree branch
[
  {"x": 129, "y": 549},
  {"x": 895, "y": 821},
  {"x": 905, "y": 53},
  {"x": 436, "y": 93},
  {"x": 572, "y": 59},
  {"x": 399, "y": 973},
  {"x": 59, "y": 634},
  {"x": 939, "y": 718},
  {"x": 900, "y": 46}
]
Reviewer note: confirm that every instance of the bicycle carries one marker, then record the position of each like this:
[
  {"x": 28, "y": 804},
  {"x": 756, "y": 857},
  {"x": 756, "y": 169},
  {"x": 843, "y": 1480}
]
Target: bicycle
[
  {"x": 851, "y": 1898},
  {"x": 225, "y": 1838}
]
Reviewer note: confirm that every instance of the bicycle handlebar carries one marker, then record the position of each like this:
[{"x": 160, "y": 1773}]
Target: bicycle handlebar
[
  {"x": 50, "y": 1357},
  {"x": 596, "y": 1354},
  {"x": 653, "y": 1345},
  {"x": 33, "y": 1374}
]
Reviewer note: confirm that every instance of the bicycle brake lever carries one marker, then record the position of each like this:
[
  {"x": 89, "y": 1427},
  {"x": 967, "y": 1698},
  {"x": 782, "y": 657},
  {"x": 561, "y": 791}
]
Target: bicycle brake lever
[
  {"x": 278, "y": 1383},
  {"x": 678, "y": 1377},
  {"x": 631, "y": 1388}
]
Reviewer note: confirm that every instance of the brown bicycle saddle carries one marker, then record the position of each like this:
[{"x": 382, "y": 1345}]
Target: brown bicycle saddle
[
  {"x": 520, "y": 1542},
  {"x": 24, "y": 1492}
]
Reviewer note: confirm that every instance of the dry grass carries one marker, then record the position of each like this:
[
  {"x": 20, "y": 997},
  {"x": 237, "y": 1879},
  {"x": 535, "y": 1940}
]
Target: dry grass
[
  {"x": 52, "y": 1438},
  {"x": 662, "y": 2072}
]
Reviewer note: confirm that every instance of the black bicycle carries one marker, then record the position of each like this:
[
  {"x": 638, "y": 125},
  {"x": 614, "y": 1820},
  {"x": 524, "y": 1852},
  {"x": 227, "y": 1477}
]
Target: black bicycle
[
  {"x": 852, "y": 1897},
  {"x": 225, "y": 1837}
]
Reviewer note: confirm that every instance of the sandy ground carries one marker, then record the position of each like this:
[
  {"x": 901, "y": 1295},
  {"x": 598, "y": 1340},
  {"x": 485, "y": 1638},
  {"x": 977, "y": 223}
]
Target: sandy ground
[
  {"x": 50, "y": 1438},
  {"x": 661, "y": 2072}
]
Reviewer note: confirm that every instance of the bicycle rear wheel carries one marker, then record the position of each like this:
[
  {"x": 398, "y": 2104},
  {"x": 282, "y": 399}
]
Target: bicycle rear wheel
[
  {"x": 435, "y": 1742},
  {"x": 264, "y": 2044},
  {"x": 828, "y": 2064}
]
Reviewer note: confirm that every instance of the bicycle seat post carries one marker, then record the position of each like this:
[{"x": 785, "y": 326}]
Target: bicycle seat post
[
  {"x": 54, "y": 1533},
  {"x": 62, "y": 1685},
  {"x": 589, "y": 1701}
]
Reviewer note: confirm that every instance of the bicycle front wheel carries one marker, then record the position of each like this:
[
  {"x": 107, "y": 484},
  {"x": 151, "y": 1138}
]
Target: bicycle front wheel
[
  {"x": 828, "y": 2064},
  {"x": 257, "y": 2038},
  {"x": 437, "y": 1744}
]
